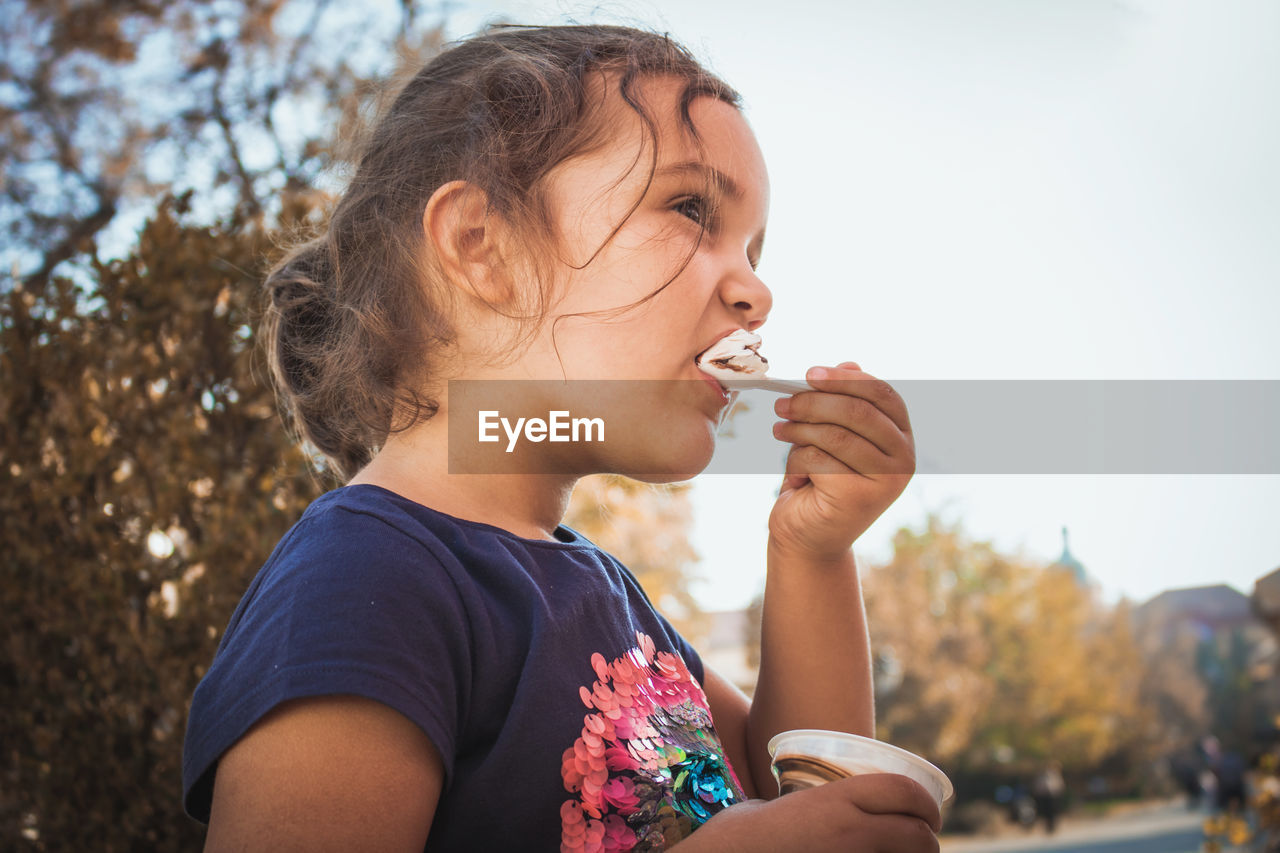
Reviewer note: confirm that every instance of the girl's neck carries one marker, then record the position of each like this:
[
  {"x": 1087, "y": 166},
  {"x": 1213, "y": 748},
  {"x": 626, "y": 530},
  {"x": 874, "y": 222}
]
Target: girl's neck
[{"x": 415, "y": 465}]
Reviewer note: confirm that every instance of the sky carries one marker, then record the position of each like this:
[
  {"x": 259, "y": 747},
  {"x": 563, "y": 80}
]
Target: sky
[{"x": 1079, "y": 189}]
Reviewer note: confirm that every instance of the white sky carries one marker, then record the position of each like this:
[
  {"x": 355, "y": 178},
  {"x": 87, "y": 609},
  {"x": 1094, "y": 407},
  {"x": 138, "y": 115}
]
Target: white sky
[{"x": 1006, "y": 189}]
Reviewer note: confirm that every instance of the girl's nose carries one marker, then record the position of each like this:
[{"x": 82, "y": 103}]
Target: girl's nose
[{"x": 749, "y": 298}]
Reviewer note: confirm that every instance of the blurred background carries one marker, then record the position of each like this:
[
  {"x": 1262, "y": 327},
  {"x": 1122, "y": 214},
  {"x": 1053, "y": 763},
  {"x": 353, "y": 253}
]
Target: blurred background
[{"x": 987, "y": 189}]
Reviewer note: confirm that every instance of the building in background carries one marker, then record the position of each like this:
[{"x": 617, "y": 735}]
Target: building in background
[
  {"x": 1266, "y": 600},
  {"x": 1236, "y": 655},
  {"x": 1266, "y": 606},
  {"x": 732, "y": 645}
]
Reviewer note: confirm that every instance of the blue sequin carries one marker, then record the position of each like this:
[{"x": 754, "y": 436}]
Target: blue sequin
[{"x": 701, "y": 786}]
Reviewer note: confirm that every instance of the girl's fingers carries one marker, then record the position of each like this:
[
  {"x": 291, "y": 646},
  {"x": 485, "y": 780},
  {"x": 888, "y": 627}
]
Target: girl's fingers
[
  {"x": 855, "y": 383},
  {"x": 852, "y": 413},
  {"x": 833, "y": 450},
  {"x": 805, "y": 460},
  {"x": 900, "y": 833},
  {"x": 891, "y": 793}
]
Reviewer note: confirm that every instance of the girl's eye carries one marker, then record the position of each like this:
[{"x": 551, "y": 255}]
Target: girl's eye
[{"x": 694, "y": 208}]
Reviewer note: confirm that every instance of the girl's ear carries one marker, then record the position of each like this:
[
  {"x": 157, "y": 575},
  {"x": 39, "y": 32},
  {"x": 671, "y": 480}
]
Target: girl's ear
[{"x": 467, "y": 240}]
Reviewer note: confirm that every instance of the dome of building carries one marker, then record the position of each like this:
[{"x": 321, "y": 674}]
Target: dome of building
[{"x": 1069, "y": 562}]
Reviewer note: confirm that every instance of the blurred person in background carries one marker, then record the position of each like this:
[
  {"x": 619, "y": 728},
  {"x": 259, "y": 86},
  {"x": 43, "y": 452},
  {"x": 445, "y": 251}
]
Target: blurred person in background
[{"x": 1047, "y": 790}]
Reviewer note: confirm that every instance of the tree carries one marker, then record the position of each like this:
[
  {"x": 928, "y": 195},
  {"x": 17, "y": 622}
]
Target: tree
[
  {"x": 149, "y": 477},
  {"x": 991, "y": 664},
  {"x": 930, "y": 642},
  {"x": 109, "y": 105}
]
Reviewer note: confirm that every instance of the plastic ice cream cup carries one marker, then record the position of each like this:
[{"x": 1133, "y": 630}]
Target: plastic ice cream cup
[{"x": 806, "y": 758}]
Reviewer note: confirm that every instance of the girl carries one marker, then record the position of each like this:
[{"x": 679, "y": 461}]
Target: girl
[{"x": 429, "y": 658}]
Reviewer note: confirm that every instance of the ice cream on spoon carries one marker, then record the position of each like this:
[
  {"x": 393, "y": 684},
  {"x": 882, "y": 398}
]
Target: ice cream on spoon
[
  {"x": 735, "y": 361},
  {"x": 735, "y": 356}
]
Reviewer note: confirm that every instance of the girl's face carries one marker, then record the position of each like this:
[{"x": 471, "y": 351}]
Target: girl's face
[
  {"x": 723, "y": 186},
  {"x": 664, "y": 426}
]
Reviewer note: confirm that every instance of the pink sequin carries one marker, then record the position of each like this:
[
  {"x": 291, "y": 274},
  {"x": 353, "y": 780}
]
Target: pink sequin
[{"x": 624, "y": 763}]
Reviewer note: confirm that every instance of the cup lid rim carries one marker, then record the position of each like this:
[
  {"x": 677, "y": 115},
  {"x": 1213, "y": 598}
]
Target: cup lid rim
[{"x": 896, "y": 751}]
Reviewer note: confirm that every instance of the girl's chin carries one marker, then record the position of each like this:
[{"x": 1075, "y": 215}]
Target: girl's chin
[{"x": 671, "y": 458}]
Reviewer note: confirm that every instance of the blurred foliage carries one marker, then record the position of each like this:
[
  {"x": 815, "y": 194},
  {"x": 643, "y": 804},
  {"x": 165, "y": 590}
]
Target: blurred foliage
[
  {"x": 1266, "y": 798},
  {"x": 1258, "y": 825},
  {"x": 148, "y": 477},
  {"x": 1226, "y": 831},
  {"x": 147, "y": 474},
  {"x": 992, "y": 666}
]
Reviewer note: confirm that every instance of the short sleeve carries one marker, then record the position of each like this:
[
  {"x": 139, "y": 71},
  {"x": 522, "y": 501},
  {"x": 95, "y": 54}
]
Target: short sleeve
[{"x": 348, "y": 604}]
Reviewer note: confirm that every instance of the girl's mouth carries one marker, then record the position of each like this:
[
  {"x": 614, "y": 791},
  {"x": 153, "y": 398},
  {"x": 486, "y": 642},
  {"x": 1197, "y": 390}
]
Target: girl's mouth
[
  {"x": 723, "y": 396},
  {"x": 715, "y": 383}
]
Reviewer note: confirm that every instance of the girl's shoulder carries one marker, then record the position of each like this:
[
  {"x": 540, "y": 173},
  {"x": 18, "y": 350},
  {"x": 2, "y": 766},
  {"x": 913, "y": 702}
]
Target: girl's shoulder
[
  {"x": 353, "y": 538},
  {"x": 367, "y": 541},
  {"x": 371, "y": 527}
]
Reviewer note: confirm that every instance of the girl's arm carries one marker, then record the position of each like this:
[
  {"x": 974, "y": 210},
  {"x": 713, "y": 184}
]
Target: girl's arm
[
  {"x": 853, "y": 454},
  {"x": 815, "y": 668},
  {"x": 332, "y": 773},
  {"x": 815, "y": 658}
]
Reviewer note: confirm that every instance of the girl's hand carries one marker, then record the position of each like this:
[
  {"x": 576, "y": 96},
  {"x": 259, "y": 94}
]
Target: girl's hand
[
  {"x": 876, "y": 813},
  {"x": 853, "y": 454}
]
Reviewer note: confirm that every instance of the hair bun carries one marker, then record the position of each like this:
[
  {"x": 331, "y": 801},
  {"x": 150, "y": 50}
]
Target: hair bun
[
  {"x": 305, "y": 276},
  {"x": 302, "y": 299}
]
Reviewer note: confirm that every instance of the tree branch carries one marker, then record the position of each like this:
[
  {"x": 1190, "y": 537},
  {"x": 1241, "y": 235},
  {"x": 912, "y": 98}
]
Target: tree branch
[
  {"x": 248, "y": 198},
  {"x": 82, "y": 230}
]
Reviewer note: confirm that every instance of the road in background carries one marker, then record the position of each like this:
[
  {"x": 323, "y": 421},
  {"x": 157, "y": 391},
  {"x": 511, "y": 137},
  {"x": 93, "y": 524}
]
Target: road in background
[{"x": 1160, "y": 829}]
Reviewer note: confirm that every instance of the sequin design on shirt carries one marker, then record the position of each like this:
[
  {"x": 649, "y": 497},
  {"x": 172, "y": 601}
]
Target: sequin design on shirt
[{"x": 648, "y": 767}]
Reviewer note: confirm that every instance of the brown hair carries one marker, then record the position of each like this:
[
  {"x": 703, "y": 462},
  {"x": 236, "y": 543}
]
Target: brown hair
[{"x": 356, "y": 318}]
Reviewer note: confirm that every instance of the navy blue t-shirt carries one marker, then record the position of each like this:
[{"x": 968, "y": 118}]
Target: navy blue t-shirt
[{"x": 568, "y": 713}]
